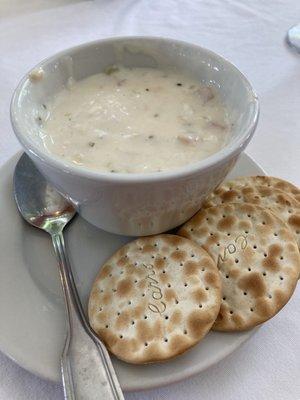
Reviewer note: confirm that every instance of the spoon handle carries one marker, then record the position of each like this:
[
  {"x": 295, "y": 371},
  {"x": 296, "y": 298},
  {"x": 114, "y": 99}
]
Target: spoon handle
[{"x": 87, "y": 371}]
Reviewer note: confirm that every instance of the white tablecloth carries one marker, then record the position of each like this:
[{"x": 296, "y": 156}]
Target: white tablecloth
[{"x": 251, "y": 34}]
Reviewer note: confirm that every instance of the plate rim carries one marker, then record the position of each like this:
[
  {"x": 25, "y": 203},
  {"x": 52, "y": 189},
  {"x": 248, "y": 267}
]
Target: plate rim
[{"x": 176, "y": 377}]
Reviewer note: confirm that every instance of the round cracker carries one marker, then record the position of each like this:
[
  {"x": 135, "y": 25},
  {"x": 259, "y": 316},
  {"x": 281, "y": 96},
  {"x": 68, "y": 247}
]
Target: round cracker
[
  {"x": 268, "y": 181},
  {"x": 257, "y": 256},
  {"x": 283, "y": 205},
  {"x": 155, "y": 298}
]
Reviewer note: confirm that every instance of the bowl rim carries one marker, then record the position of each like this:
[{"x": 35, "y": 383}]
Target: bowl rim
[{"x": 228, "y": 151}]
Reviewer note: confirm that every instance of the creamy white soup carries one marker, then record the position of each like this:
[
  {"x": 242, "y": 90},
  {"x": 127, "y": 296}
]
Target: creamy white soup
[{"x": 135, "y": 120}]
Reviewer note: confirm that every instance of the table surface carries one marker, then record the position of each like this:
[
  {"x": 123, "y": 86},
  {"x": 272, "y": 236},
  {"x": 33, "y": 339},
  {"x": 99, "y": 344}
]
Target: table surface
[{"x": 250, "y": 33}]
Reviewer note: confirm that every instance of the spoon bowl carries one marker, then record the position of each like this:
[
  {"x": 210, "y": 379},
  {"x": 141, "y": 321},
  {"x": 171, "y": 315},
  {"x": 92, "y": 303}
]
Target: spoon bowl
[{"x": 38, "y": 202}]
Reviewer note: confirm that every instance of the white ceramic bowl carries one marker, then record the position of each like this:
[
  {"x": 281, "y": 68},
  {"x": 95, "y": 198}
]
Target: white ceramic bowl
[{"x": 135, "y": 204}]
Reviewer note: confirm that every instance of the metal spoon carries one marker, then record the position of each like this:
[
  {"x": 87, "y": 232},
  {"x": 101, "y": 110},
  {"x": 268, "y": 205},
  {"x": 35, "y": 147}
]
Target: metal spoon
[
  {"x": 293, "y": 37},
  {"x": 87, "y": 371}
]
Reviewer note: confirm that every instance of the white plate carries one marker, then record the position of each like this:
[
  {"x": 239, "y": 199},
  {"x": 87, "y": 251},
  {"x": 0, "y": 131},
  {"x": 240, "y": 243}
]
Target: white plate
[{"x": 32, "y": 327}]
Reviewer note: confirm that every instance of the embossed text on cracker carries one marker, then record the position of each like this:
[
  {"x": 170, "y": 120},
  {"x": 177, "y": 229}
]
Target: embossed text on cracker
[
  {"x": 159, "y": 306},
  {"x": 232, "y": 248}
]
